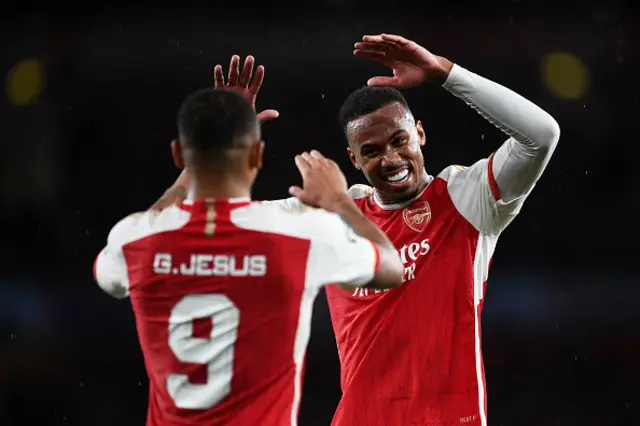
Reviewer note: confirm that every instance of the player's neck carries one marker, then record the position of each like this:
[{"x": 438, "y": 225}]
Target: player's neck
[{"x": 211, "y": 187}]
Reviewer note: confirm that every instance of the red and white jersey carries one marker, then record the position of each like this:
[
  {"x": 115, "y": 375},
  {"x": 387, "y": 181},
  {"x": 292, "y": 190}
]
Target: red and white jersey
[
  {"x": 412, "y": 355},
  {"x": 417, "y": 347},
  {"x": 222, "y": 293}
]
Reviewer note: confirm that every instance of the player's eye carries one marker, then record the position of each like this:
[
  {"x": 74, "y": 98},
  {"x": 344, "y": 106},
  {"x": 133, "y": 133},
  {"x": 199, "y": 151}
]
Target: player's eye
[
  {"x": 399, "y": 141},
  {"x": 369, "y": 153}
]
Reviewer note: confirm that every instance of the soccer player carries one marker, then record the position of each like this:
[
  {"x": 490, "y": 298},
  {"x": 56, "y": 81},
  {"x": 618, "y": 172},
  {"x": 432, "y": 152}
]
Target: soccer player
[
  {"x": 222, "y": 288},
  {"x": 412, "y": 355}
]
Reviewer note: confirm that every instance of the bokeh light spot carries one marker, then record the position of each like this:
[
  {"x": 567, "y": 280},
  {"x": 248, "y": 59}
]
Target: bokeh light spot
[
  {"x": 565, "y": 75},
  {"x": 25, "y": 82}
]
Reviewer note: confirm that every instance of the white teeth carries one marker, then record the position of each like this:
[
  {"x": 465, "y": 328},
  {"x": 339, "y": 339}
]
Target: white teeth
[{"x": 398, "y": 177}]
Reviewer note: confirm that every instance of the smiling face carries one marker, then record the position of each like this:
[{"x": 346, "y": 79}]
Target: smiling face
[{"x": 386, "y": 146}]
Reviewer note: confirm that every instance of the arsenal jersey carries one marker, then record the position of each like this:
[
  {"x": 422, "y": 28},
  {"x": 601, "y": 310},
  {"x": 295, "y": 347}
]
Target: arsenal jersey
[
  {"x": 222, "y": 292},
  {"x": 412, "y": 355}
]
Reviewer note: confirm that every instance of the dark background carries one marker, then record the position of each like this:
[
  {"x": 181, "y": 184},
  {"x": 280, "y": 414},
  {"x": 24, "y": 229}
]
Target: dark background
[{"x": 85, "y": 141}]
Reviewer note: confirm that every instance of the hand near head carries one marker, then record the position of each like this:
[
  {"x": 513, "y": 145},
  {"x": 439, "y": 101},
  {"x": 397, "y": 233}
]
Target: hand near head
[
  {"x": 324, "y": 184},
  {"x": 411, "y": 63},
  {"x": 176, "y": 193},
  {"x": 241, "y": 82}
]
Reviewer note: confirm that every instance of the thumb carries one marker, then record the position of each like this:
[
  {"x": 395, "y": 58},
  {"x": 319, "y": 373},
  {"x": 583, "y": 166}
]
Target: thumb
[
  {"x": 267, "y": 115},
  {"x": 382, "y": 82},
  {"x": 296, "y": 191}
]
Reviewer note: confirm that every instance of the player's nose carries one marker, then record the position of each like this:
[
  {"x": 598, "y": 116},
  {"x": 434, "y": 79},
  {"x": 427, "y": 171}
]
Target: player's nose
[{"x": 390, "y": 158}]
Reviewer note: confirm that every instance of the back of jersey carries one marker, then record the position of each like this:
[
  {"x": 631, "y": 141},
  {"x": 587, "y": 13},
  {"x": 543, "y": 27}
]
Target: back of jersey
[{"x": 222, "y": 293}]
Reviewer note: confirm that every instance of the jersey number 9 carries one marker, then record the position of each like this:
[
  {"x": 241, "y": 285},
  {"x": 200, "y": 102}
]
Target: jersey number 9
[{"x": 216, "y": 352}]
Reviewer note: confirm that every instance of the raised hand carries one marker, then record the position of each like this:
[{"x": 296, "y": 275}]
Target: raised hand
[
  {"x": 324, "y": 184},
  {"x": 242, "y": 83},
  {"x": 411, "y": 63},
  {"x": 175, "y": 194}
]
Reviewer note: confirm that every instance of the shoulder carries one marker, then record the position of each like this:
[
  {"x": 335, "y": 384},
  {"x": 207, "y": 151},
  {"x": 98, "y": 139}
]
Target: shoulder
[
  {"x": 143, "y": 224},
  {"x": 293, "y": 204},
  {"x": 458, "y": 176},
  {"x": 453, "y": 171},
  {"x": 305, "y": 222},
  {"x": 359, "y": 191}
]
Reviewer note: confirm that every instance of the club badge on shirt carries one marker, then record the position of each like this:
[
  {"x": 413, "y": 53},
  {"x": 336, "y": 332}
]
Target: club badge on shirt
[{"x": 417, "y": 215}]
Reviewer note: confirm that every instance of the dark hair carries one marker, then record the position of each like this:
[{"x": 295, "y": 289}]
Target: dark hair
[
  {"x": 366, "y": 100},
  {"x": 211, "y": 121}
]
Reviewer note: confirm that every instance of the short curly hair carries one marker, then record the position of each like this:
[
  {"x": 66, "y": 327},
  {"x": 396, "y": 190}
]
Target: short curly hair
[{"x": 366, "y": 100}]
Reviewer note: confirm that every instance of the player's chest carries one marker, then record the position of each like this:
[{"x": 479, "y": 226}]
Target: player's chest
[{"x": 430, "y": 235}]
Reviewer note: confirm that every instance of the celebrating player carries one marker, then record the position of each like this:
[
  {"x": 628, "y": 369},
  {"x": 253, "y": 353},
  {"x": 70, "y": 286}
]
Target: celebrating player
[
  {"x": 419, "y": 346},
  {"x": 222, "y": 288}
]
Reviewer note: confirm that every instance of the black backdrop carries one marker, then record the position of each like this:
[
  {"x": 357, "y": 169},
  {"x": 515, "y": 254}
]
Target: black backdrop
[{"x": 561, "y": 323}]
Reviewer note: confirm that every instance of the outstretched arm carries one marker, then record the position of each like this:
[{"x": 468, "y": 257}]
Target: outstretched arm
[
  {"x": 489, "y": 193},
  {"x": 518, "y": 164}
]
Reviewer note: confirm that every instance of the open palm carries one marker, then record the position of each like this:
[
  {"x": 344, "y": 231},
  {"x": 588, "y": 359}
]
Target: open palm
[
  {"x": 411, "y": 63},
  {"x": 244, "y": 84}
]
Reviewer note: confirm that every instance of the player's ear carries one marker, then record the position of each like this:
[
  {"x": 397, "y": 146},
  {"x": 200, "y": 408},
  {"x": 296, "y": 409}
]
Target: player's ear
[
  {"x": 255, "y": 155},
  {"x": 421, "y": 134},
  {"x": 176, "y": 153},
  {"x": 353, "y": 159}
]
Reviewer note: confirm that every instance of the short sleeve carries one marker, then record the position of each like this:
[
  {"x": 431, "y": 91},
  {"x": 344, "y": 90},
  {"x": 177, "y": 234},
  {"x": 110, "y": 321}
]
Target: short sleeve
[
  {"x": 338, "y": 255},
  {"x": 291, "y": 204},
  {"x": 476, "y": 196},
  {"x": 110, "y": 266}
]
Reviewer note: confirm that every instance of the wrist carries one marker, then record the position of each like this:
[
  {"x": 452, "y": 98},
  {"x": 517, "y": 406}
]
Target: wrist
[
  {"x": 178, "y": 191},
  {"x": 440, "y": 73},
  {"x": 341, "y": 204}
]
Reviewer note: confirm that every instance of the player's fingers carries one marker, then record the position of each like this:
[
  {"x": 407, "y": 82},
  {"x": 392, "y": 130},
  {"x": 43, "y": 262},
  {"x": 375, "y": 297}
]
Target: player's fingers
[
  {"x": 234, "y": 70},
  {"x": 295, "y": 191},
  {"x": 218, "y": 77},
  {"x": 311, "y": 160},
  {"x": 302, "y": 195},
  {"x": 377, "y": 56},
  {"x": 317, "y": 155},
  {"x": 401, "y": 41},
  {"x": 372, "y": 47},
  {"x": 247, "y": 70},
  {"x": 302, "y": 164},
  {"x": 267, "y": 115},
  {"x": 373, "y": 39},
  {"x": 382, "y": 82},
  {"x": 321, "y": 160},
  {"x": 257, "y": 80}
]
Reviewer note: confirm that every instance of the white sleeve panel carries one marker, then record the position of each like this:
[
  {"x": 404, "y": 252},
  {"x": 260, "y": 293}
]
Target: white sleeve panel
[
  {"x": 110, "y": 267},
  {"x": 110, "y": 271},
  {"x": 291, "y": 204},
  {"x": 338, "y": 255},
  {"x": 534, "y": 134},
  {"x": 475, "y": 195}
]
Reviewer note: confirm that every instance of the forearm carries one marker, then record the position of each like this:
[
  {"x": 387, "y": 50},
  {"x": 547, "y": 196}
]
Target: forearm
[
  {"x": 389, "y": 269},
  {"x": 175, "y": 194},
  {"x": 518, "y": 164},
  {"x": 505, "y": 109},
  {"x": 353, "y": 216}
]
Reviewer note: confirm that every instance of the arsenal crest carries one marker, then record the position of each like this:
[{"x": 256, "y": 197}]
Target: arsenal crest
[{"x": 417, "y": 216}]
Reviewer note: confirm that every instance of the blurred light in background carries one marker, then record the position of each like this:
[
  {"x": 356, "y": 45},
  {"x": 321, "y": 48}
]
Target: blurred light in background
[
  {"x": 565, "y": 75},
  {"x": 25, "y": 82}
]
